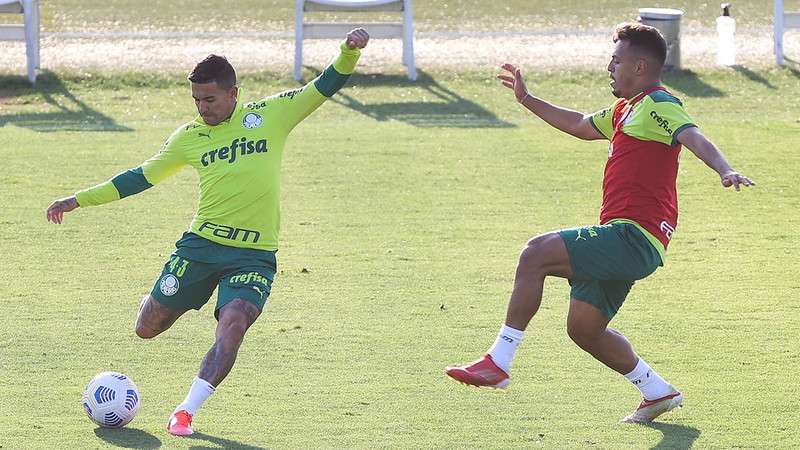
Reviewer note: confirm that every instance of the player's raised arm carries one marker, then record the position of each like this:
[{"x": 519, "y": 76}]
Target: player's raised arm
[
  {"x": 165, "y": 163},
  {"x": 297, "y": 104},
  {"x": 566, "y": 120},
  {"x": 707, "y": 152}
]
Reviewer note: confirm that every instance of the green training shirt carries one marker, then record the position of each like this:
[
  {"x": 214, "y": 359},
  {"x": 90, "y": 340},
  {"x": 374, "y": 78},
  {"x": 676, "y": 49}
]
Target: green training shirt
[{"x": 238, "y": 161}]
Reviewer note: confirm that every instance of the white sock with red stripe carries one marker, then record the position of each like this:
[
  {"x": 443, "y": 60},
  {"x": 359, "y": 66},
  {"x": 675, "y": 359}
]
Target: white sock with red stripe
[
  {"x": 648, "y": 381},
  {"x": 198, "y": 394},
  {"x": 502, "y": 352}
]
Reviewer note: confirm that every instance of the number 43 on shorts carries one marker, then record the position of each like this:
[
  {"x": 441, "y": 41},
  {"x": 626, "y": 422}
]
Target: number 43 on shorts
[{"x": 177, "y": 265}]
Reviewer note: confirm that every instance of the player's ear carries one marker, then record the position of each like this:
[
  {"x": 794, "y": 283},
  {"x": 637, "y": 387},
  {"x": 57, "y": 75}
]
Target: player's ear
[{"x": 642, "y": 66}]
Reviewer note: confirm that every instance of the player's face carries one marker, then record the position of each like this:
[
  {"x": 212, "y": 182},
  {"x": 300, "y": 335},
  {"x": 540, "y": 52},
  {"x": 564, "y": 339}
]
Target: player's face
[
  {"x": 214, "y": 104},
  {"x": 623, "y": 69}
]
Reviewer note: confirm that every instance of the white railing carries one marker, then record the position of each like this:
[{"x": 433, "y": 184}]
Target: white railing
[
  {"x": 317, "y": 30},
  {"x": 783, "y": 20},
  {"x": 28, "y": 31}
]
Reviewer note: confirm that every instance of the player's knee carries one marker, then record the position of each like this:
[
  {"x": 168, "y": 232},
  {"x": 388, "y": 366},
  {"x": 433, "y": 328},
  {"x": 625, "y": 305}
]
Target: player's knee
[
  {"x": 143, "y": 329},
  {"x": 580, "y": 335},
  {"x": 236, "y": 317},
  {"x": 145, "y": 332},
  {"x": 530, "y": 259},
  {"x": 233, "y": 328}
]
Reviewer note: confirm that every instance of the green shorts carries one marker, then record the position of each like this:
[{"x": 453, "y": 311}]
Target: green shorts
[
  {"x": 198, "y": 266},
  {"x": 606, "y": 261}
]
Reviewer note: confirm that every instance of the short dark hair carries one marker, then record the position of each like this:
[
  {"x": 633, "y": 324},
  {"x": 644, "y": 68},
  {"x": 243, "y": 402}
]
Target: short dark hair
[
  {"x": 214, "y": 69},
  {"x": 643, "y": 38}
]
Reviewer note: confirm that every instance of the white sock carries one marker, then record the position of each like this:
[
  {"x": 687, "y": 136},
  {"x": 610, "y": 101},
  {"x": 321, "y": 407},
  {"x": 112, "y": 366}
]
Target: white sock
[
  {"x": 502, "y": 352},
  {"x": 198, "y": 393},
  {"x": 648, "y": 381}
]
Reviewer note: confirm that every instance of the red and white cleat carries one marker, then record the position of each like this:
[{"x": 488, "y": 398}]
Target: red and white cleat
[
  {"x": 650, "y": 409},
  {"x": 180, "y": 423},
  {"x": 482, "y": 373}
]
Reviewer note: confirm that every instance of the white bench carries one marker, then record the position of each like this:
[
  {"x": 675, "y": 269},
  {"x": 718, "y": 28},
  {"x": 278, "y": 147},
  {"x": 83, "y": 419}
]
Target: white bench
[
  {"x": 783, "y": 20},
  {"x": 377, "y": 30},
  {"x": 28, "y": 31}
]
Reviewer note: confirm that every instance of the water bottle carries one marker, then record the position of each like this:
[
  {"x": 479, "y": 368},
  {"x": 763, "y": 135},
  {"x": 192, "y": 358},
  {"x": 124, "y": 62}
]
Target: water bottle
[{"x": 726, "y": 46}]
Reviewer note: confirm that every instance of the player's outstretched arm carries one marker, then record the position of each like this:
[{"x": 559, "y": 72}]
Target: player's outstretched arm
[
  {"x": 336, "y": 74},
  {"x": 168, "y": 161},
  {"x": 124, "y": 184},
  {"x": 566, "y": 120},
  {"x": 297, "y": 104},
  {"x": 707, "y": 152}
]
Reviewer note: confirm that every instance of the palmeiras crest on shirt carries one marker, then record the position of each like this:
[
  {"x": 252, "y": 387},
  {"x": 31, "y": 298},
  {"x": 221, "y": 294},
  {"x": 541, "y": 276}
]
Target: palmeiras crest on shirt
[{"x": 252, "y": 120}]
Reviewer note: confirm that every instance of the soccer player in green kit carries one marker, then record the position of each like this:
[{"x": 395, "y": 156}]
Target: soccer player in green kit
[
  {"x": 236, "y": 149},
  {"x": 646, "y": 127}
]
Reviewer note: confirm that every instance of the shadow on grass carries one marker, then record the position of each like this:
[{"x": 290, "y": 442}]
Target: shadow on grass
[
  {"x": 128, "y": 438},
  {"x": 62, "y": 110},
  {"x": 690, "y": 84},
  {"x": 219, "y": 443},
  {"x": 446, "y": 109},
  {"x": 793, "y": 66},
  {"x": 753, "y": 76},
  {"x": 674, "y": 436}
]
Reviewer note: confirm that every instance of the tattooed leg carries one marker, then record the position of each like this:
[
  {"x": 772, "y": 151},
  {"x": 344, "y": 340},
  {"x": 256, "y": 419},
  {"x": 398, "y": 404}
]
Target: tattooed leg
[
  {"x": 154, "y": 318},
  {"x": 234, "y": 320}
]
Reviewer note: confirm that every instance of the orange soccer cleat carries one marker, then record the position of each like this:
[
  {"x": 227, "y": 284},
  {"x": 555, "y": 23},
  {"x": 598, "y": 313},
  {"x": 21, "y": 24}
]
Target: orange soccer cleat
[
  {"x": 180, "y": 423},
  {"x": 650, "y": 409}
]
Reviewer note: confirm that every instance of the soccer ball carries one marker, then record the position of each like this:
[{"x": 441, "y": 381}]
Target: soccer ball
[{"x": 111, "y": 400}]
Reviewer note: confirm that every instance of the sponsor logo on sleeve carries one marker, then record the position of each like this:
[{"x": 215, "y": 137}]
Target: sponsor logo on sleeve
[
  {"x": 662, "y": 122},
  {"x": 256, "y": 105},
  {"x": 290, "y": 94}
]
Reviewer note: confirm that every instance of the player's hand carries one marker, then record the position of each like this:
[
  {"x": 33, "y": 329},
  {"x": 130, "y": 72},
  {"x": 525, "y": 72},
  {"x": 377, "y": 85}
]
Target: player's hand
[
  {"x": 735, "y": 179},
  {"x": 55, "y": 213},
  {"x": 357, "y": 38},
  {"x": 514, "y": 81}
]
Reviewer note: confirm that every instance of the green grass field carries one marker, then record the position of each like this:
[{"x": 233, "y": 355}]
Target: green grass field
[{"x": 409, "y": 226}]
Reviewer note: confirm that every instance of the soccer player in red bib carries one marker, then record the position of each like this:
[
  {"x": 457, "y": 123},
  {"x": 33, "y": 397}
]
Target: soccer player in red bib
[{"x": 646, "y": 127}]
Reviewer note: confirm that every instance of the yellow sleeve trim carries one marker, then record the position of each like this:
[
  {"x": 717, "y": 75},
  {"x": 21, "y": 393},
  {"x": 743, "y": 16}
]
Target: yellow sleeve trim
[
  {"x": 97, "y": 195},
  {"x": 346, "y": 61}
]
